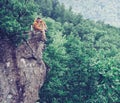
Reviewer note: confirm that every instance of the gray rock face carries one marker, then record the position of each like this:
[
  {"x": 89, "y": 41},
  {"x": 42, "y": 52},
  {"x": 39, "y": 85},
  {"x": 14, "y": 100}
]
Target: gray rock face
[{"x": 22, "y": 71}]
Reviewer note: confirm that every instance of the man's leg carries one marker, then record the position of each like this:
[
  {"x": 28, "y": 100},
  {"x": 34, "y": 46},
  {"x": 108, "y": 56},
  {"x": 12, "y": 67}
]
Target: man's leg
[{"x": 43, "y": 35}]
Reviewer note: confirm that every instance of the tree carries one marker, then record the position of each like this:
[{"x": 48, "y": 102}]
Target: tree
[
  {"x": 55, "y": 56},
  {"x": 44, "y": 7},
  {"x": 88, "y": 70},
  {"x": 16, "y": 17}
]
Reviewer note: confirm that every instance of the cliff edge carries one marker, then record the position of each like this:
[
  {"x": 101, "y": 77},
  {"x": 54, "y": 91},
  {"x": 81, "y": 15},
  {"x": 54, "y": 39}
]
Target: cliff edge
[{"x": 22, "y": 71}]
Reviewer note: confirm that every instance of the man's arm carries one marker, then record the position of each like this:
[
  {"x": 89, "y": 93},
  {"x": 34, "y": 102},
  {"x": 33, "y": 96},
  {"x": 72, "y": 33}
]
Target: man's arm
[{"x": 36, "y": 26}]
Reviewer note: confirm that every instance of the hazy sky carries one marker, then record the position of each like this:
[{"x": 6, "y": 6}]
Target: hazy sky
[{"x": 104, "y": 10}]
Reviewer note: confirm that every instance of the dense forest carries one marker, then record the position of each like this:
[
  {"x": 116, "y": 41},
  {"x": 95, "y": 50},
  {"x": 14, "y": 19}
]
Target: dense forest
[{"x": 83, "y": 55}]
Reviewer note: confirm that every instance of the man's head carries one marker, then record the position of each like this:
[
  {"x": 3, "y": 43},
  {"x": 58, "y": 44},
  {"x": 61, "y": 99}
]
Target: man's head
[{"x": 38, "y": 19}]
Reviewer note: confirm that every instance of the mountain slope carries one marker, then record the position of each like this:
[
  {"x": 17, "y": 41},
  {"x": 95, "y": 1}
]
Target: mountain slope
[{"x": 107, "y": 11}]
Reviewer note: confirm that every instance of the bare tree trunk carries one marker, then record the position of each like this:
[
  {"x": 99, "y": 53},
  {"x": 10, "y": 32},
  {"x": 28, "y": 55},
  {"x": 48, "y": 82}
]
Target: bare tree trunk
[{"x": 22, "y": 71}]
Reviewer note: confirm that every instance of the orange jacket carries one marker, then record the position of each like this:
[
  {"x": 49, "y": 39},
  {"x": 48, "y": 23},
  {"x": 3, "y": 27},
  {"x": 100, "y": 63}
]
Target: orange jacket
[{"x": 39, "y": 26}]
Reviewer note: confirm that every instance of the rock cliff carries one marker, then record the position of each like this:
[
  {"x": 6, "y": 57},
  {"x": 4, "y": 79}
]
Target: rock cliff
[{"x": 22, "y": 71}]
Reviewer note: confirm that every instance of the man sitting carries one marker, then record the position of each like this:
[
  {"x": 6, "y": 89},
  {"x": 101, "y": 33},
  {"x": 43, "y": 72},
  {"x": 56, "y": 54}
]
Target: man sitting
[{"x": 40, "y": 26}]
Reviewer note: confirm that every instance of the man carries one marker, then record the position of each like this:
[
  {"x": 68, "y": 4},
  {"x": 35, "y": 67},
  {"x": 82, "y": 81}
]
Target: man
[{"x": 40, "y": 25}]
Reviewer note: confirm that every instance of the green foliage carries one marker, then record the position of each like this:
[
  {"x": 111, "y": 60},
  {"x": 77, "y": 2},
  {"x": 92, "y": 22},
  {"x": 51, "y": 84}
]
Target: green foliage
[
  {"x": 53, "y": 9},
  {"x": 44, "y": 6},
  {"x": 58, "y": 53},
  {"x": 16, "y": 17},
  {"x": 84, "y": 58}
]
